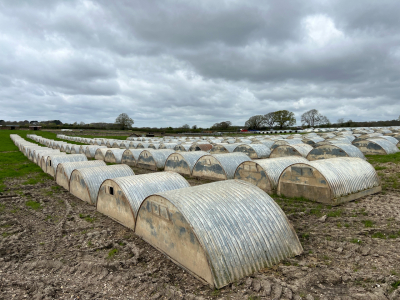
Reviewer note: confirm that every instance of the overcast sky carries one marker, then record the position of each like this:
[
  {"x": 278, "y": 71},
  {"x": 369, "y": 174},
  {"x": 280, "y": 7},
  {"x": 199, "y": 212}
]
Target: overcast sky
[{"x": 167, "y": 63}]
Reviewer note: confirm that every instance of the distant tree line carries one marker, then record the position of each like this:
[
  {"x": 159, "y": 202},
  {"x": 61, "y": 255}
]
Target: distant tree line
[
  {"x": 280, "y": 119},
  {"x": 276, "y": 120}
]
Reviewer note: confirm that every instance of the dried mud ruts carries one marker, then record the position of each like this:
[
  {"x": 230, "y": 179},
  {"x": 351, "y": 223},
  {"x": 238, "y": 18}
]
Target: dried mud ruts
[{"x": 64, "y": 249}]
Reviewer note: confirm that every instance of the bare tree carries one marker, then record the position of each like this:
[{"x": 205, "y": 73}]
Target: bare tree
[
  {"x": 186, "y": 126},
  {"x": 312, "y": 118},
  {"x": 324, "y": 120},
  {"x": 222, "y": 125},
  {"x": 255, "y": 122},
  {"x": 82, "y": 123},
  {"x": 340, "y": 121},
  {"x": 124, "y": 120},
  {"x": 284, "y": 118},
  {"x": 269, "y": 119}
]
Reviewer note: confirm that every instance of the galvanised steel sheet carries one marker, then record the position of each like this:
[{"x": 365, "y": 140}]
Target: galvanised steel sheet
[
  {"x": 69, "y": 167},
  {"x": 230, "y": 161},
  {"x": 303, "y": 149},
  {"x": 390, "y": 139},
  {"x": 351, "y": 150},
  {"x": 159, "y": 156},
  {"x": 389, "y": 147},
  {"x": 90, "y": 150},
  {"x": 116, "y": 153},
  {"x": 168, "y": 145},
  {"x": 240, "y": 227},
  {"x": 191, "y": 157},
  {"x": 274, "y": 167},
  {"x": 94, "y": 177},
  {"x": 260, "y": 150},
  {"x": 40, "y": 153},
  {"x": 267, "y": 142},
  {"x": 346, "y": 175},
  {"x": 136, "y": 188},
  {"x": 136, "y": 152},
  {"x": 57, "y": 159}
]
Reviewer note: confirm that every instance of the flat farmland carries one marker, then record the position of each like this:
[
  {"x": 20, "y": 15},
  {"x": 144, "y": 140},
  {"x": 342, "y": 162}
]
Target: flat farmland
[{"x": 55, "y": 246}]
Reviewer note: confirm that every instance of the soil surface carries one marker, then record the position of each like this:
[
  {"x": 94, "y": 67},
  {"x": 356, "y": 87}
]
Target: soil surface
[{"x": 55, "y": 246}]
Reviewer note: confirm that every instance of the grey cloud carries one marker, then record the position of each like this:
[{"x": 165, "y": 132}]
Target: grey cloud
[{"x": 175, "y": 62}]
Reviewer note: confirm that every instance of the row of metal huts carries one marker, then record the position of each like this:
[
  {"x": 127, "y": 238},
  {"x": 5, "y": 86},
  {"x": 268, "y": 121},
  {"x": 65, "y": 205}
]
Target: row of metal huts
[
  {"x": 269, "y": 174},
  {"x": 220, "y": 231}
]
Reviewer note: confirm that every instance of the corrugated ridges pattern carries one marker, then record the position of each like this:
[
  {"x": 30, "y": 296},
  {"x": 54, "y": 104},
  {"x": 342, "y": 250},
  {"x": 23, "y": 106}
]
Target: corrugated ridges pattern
[
  {"x": 351, "y": 150},
  {"x": 138, "y": 187},
  {"x": 303, "y": 149},
  {"x": 117, "y": 154},
  {"x": 192, "y": 157},
  {"x": 240, "y": 227},
  {"x": 91, "y": 149},
  {"x": 389, "y": 147},
  {"x": 71, "y": 166},
  {"x": 230, "y": 161},
  {"x": 160, "y": 156},
  {"x": 274, "y": 166},
  {"x": 94, "y": 177},
  {"x": 261, "y": 150},
  {"x": 57, "y": 159},
  {"x": 347, "y": 175}
]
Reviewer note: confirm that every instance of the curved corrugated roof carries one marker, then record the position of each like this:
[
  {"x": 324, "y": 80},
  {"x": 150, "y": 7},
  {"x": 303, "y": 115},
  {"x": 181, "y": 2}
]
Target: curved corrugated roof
[
  {"x": 275, "y": 166},
  {"x": 389, "y": 147},
  {"x": 230, "y": 161},
  {"x": 240, "y": 227},
  {"x": 168, "y": 145},
  {"x": 92, "y": 149},
  {"x": 346, "y": 175},
  {"x": 267, "y": 143},
  {"x": 117, "y": 154},
  {"x": 71, "y": 166},
  {"x": 390, "y": 139},
  {"x": 41, "y": 154},
  {"x": 57, "y": 159},
  {"x": 136, "y": 152},
  {"x": 351, "y": 150},
  {"x": 191, "y": 157},
  {"x": 94, "y": 177},
  {"x": 303, "y": 149},
  {"x": 160, "y": 156},
  {"x": 184, "y": 147},
  {"x": 137, "y": 188},
  {"x": 261, "y": 150}
]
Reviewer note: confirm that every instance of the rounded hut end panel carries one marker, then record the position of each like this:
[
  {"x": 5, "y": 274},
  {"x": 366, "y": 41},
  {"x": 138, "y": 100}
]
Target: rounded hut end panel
[
  {"x": 49, "y": 168},
  {"x": 301, "y": 180},
  {"x": 112, "y": 202},
  {"x": 244, "y": 148},
  {"x": 62, "y": 178},
  {"x": 253, "y": 173},
  {"x": 208, "y": 167},
  {"x": 176, "y": 163},
  {"x": 161, "y": 224},
  {"x": 325, "y": 152},
  {"x": 283, "y": 151},
  {"x": 128, "y": 159},
  {"x": 369, "y": 148},
  {"x": 109, "y": 157},
  {"x": 146, "y": 161},
  {"x": 78, "y": 187}
]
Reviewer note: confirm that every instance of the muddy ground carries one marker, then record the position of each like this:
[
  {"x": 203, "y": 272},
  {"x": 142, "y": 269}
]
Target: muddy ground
[{"x": 54, "y": 246}]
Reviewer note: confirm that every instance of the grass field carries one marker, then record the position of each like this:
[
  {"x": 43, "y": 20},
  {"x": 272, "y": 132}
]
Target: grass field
[{"x": 352, "y": 247}]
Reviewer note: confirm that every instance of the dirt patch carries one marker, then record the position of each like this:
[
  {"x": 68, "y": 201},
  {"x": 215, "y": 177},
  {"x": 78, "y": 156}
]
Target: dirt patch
[{"x": 54, "y": 246}]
